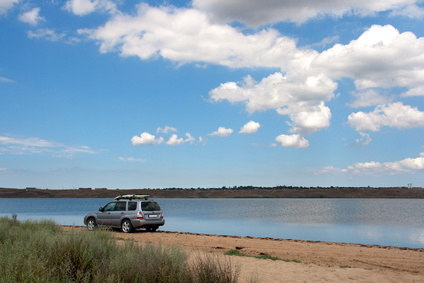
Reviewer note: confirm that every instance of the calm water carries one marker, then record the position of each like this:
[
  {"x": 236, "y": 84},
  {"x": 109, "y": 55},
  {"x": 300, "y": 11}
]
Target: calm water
[{"x": 389, "y": 222}]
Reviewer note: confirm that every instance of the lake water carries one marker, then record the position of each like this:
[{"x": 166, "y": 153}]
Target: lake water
[{"x": 388, "y": 222}]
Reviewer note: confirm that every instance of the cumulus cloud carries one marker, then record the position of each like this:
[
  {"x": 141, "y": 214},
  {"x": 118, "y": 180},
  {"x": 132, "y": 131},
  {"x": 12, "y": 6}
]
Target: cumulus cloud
[
  {"x": 364, "y": 140},
  {"x": 380, "y": 57},
  {"x": 48, "y": 34},
  {"x": 407, "y": 165},
  {"x": 416, "y": 91},
  {"x": 85, "y": 7},
  {"x": 174, "y": 140},
  {"x": 222, "y": 132},
  {"x": 306, "y": 118},
  {"x": 190, "y": 138},
  {"x": 369, "y": 97},
  {"x": 31, "y": 17},
  {"x": 276, "y": 91},
  {"x": 170, "y": 33},
  {"x": 250, "y": 127},
  {"x": 296, "y": 141},
  {"x": 5, "y": 5},
  {"x": 11, "y": 145},
  {"x": 146, "y": 139},
  {"x": 149, "y": 139},
  {"x": 395, "y": 115},
  {"x": 256, "y": 13},
  {"x": 299, "y": 97},
  {"x": 166, "y": 130}
]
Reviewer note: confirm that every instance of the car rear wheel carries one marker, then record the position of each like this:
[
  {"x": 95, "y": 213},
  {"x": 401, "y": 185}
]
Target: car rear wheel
[
  {"x": 91, "y": 224},
  {"x": 126, "y": 226}
]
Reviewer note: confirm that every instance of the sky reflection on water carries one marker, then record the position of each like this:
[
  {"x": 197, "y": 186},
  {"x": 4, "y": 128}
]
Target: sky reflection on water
[{"x": 389, "y": 222}]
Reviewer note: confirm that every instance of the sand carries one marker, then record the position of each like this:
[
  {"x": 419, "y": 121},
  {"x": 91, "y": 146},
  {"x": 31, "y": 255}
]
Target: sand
[{"x": 314, "y": 261}]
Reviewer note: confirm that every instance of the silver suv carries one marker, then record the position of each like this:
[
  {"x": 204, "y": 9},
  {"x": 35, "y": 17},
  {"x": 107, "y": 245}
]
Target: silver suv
[{"x": 127, "y": 212}]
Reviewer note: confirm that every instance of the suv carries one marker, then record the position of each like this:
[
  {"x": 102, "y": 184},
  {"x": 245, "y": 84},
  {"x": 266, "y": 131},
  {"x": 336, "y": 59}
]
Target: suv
[{"x": 127, "y": 212}]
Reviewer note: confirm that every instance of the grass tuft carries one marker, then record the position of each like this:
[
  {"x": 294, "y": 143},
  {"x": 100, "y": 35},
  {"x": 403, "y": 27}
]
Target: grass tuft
[{"x": 39, "y": 251}]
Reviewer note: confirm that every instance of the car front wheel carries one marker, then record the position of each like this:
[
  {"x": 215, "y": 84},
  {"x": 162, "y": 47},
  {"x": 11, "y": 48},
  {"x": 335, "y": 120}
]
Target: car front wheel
[
  {"x": 126, "y": 226},
  {"x": 91, "y": 224}
]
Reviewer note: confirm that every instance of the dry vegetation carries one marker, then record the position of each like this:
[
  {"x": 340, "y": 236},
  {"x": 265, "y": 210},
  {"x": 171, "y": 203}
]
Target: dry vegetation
[{"x": 235, "y": 192}]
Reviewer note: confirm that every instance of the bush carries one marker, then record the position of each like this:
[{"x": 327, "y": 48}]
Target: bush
[{"x": 39, "y": 251}]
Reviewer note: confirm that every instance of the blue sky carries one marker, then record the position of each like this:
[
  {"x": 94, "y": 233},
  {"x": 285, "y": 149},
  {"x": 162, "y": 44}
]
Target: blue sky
[{"x": 211, "y": 93}]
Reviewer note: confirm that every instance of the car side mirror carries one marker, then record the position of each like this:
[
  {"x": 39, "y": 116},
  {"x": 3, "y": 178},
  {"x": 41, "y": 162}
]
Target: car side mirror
[{"x": 101, "y": 209}]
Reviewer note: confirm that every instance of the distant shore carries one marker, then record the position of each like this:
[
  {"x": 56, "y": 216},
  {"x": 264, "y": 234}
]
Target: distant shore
[{"x": 239, "y": 192}]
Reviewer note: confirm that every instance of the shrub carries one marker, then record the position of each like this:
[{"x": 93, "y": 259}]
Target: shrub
[{"x": 39, "y": 251}]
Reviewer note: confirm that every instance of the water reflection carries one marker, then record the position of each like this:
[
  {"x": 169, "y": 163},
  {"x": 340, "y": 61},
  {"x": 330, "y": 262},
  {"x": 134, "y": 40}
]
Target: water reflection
[{"x": 391, "y": 222}]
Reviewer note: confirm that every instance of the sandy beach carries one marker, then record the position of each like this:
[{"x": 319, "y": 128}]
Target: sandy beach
[{"x": 309, "y": 261}]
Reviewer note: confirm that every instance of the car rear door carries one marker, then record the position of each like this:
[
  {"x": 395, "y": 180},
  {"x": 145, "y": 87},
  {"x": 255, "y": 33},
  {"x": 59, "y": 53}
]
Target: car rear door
[{"x": 151, "y": 210}]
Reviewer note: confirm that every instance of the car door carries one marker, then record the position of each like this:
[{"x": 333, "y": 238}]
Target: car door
[
  {"x": 117, "y": 213},
  {"x": 104, "y": 214}
]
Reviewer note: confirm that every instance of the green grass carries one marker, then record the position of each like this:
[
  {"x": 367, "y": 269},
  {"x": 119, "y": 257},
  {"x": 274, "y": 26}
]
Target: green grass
[
  {"x": 39, "y": 251},
  {"x": 261, "y": 256}
]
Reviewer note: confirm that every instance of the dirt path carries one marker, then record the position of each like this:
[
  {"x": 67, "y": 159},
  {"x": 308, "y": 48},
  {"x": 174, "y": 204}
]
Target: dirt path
[{"x": 314, "y": 261}]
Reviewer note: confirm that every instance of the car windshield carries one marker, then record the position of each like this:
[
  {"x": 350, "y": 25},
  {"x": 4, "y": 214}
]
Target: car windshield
[{"x": 150, "y": 206}]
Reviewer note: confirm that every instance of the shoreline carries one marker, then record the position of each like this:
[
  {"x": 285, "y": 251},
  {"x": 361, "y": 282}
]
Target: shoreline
[
  {"x": 301, "y": 261},
  {"x": 268, "y": 239}
]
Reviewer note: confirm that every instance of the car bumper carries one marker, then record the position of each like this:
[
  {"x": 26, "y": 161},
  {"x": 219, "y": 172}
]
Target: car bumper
[{"x": 140, "y": 223}]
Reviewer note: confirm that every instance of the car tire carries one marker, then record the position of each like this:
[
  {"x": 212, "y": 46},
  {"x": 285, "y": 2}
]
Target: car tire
[
  {"x": 91, "y": 224},
  {"x": 126, "y": 226}
]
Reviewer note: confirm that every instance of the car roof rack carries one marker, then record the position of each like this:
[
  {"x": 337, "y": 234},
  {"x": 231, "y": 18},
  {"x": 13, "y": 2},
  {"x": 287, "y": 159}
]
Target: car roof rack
[{"x": 130, "y": 197}]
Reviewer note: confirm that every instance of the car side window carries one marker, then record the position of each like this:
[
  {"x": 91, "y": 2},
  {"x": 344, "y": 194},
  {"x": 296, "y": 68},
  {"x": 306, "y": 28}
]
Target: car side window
[
  {"x": 132, "y": 205},
  {"x": 120, "y": 206},
  {"x": 110, "y": 206}
]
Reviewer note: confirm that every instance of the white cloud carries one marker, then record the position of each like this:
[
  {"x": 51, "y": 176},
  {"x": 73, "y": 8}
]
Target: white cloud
[
  {"x": 395, "y": 115},
  {"x": 5, "y": 5},
  {"x": 31, "y": 17},
  {"x": 307, "y": 119},
  {"x": 411, "y": 11},
  {"x": 5, "y": 80},
  {"x": 188, "y": 35},
  {"x": 407, "y": 165},
  {"x": 190, "y": 139},
  {"x": 255, "y": 13},
  {"x": 417, "y": 91},
  {"x": 146, "y": 139},
  {"x": 222, "y": 132},
  {"x": 149, "y": 139},
  {"x": 166, "y": 130},
  {"x": 131, "y": 159},
  {"x": 296, "y": 141},
  {"x": 364, "y": 140},
  {"x": 250, "y": 127},
  {"x": 299, "y": 97},
  {"x": 85, "y": 7},
  {"x": 380, "y": 57},
  {"x": 369, "y": 97},
  {"x": 174, "y": 140},
  {"x": 10, "y": 145},
  {"x": 48, "y": 34}
]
